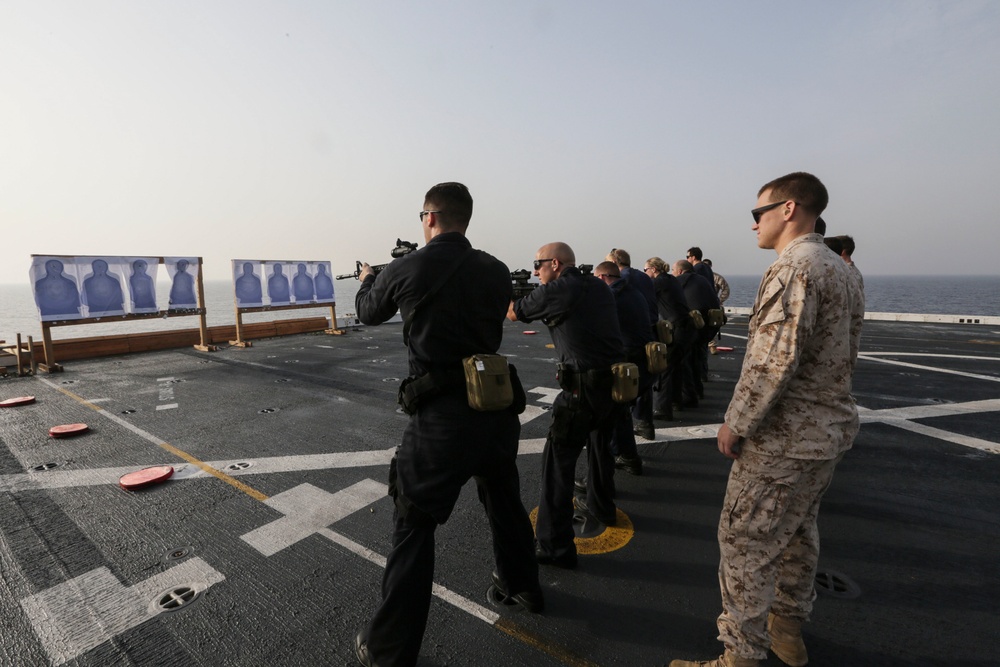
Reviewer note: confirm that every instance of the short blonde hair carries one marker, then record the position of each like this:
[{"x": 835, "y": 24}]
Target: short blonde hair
[{"x": 658, "y": 264}]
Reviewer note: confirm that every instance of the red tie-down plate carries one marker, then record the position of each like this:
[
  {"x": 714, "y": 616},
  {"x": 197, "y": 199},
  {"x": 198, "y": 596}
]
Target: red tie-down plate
[
  {"x": 67, "y": 430},
  {"x": 145, "y": 477},
  {"x": 17, "y": 401}
]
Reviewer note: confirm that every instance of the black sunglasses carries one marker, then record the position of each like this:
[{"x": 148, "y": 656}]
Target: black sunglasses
[
  {"x": 538, "y": 262},
  {"x": 757, "y": 212}
]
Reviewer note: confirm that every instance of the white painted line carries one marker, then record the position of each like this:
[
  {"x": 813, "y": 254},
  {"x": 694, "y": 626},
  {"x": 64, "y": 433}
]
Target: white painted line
[
  {"x": 974, "y": 376},
  {"x": 937, "y": 410},
  {"x": 947, "y": 436},
  {"x": 166, "y": 406},
  {"x": 480, "y": 612},
  {"x": 97, "y": 400},
  {"x": 308, "y": 510},
  {"x": 86, "y": 611},
  {"x": 531, "y": 412},
  {"x": 928, "y": 354},
  {"x": 165, "y": 379},
  {"x": 548, "y": 394}
]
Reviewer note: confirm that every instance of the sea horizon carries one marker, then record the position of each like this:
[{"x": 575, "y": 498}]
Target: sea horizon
[{"x": 971, "y": 295}]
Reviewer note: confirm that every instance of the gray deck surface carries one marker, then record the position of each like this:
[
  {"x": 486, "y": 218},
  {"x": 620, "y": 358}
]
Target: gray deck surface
[{"x": 284, "y": 546}]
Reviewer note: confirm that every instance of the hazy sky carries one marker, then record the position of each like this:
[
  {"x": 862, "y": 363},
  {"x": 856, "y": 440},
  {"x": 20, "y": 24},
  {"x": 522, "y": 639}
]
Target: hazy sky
[{"x": 312, "y": 130}]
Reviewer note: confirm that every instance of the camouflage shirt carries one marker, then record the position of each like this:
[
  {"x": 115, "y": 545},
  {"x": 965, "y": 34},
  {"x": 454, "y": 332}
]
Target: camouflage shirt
[{"x": 793, "y": 397}]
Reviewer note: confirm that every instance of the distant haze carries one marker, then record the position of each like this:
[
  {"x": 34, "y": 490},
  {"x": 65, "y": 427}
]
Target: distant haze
[{"x": 311, "y": 130}]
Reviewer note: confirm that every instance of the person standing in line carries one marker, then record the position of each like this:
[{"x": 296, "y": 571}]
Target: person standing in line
[
  {"x": 698, "y": 266},
  {"x": 581, "y": 315},
  {"x": 633, "y": 320},
  {"x": 700, "y": 295},
  {"x": 445, "y": 442},
  {"x": 722, "y": 289},
  {"x": 642, "y": 411},
  {"x": 790, "y": 421},
  {"x": 672, "y": 307},
  {"x": 847, "y": 254}
]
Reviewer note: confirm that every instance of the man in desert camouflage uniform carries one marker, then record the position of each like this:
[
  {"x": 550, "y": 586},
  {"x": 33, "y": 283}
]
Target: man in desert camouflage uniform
[{"x": 790, "y": 421}]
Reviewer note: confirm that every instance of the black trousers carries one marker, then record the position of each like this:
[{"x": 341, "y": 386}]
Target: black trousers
[
  {"x": 586, "y": 418},
  {"x": 444, "y": 445}
]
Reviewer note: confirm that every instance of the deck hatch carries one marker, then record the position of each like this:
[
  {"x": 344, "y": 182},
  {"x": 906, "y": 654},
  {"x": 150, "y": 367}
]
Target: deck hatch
[
  {"x": 176, "y": 598},
  {"x": 837, "y": 585}
]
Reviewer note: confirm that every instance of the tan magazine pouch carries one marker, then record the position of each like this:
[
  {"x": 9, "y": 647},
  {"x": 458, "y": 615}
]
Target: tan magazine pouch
[
  {"x": 699, "y": 321},
  {"x": 487, "y": 382},
  {"x": 656, "y": 357},
  {"x": 625, "y": 383},
  {"x": 665, "y": 331},
  {"x": 716, "y": 317}
]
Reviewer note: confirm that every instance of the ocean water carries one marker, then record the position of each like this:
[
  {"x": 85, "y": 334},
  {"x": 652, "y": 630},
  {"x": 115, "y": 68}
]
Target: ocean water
[{"x": 944, "y": 295}]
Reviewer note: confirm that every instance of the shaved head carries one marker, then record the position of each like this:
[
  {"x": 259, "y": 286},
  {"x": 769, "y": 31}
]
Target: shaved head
[{"x": 558, "y": 250}]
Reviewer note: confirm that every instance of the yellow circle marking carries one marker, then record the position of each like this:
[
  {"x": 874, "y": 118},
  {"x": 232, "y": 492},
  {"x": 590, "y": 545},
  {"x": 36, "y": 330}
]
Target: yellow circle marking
[{"x": 612, "y": 539}]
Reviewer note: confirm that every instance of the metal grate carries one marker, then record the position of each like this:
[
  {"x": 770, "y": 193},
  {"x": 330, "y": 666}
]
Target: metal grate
[
  {"x": 176, "y": 598},
  {"x": 837, "y": 585}
]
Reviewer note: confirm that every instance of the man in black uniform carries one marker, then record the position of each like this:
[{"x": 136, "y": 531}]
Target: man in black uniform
[
  {"x": 637, "y": 331},
  {"x": 642, "y": 411},
  {"x": 445, "y": 442},
  {"x": 581, "y": 315},
  {"x": 700, "y": 294},
  {"x": 672, "y": 307}
]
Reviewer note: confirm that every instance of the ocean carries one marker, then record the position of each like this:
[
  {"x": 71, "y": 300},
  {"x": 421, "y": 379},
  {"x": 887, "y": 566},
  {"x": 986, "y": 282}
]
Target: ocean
[{"x": 944, "y": 295}]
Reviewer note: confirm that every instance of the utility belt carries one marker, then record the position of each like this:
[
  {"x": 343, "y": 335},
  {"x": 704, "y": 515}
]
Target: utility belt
[
  {"x": 622, "y": 379},
  {"x": 490, "y": 384}
]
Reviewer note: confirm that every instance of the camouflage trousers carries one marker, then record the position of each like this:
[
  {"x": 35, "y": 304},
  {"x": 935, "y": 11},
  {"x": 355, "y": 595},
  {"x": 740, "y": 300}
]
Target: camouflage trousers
[{"x": 769, "y": 546}]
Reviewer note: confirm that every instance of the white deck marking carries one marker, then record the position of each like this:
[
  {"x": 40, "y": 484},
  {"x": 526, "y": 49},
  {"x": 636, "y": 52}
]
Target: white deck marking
[
  {"x": 445, "y": 594},
  {"x": 975, "y": 376},
  {"x": 309, "y": 509},
  {"x": 531, "y": 412},
  {"x": 548, "y": 394},
  {"x": 166, "y": 406},
  {"x": 86, "y": 611},
  {"x": 947, "y": 436}
]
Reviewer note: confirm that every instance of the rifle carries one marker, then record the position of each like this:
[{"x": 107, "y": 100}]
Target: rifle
[
  {"x": 402, "y": 248},
  {"x": 519, "y": 280}
]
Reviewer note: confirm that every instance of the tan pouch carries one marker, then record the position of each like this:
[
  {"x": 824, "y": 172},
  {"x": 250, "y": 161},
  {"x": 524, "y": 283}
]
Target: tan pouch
[
  {"x": 699, "y": 321},
  {"x": 665, "y": 331},
  {"x": 716, "y": 317},
  {"x": 625, "y": 386},
  {"x": 656, "y": 357},
  {"x": 487, "y": 382}
]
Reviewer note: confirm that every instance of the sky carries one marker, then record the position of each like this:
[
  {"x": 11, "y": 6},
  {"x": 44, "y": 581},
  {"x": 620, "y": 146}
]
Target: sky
[{"x": 299, "y": 130}]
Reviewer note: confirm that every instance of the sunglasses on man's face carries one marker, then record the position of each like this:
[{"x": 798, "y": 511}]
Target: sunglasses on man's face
[
  {"x": 539, "y": 262},
  {"x": 757, "y": 212}
]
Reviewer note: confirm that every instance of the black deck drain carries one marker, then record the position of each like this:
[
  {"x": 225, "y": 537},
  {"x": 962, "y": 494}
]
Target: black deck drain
[
  {"x": 239, "y": 467},
  {"x": 267, "y": 411},
  {"x": 291, "y": 361},
  {"x": 68, "y": 382},
  {"x": 283, "y": 380},
  {"x": 176, "y": 598},
  {"x": 390, "y": 379},
  {"x": 42, "y": 467},
  {"x": 836, "y": 585},
  {"x": 177, "y": 553},
  {"x": 128, "y": 412}
]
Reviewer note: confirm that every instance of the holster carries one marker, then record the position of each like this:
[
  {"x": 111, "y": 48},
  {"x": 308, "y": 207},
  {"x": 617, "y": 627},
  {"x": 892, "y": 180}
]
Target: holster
[{"x": 415, "y": 390}]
